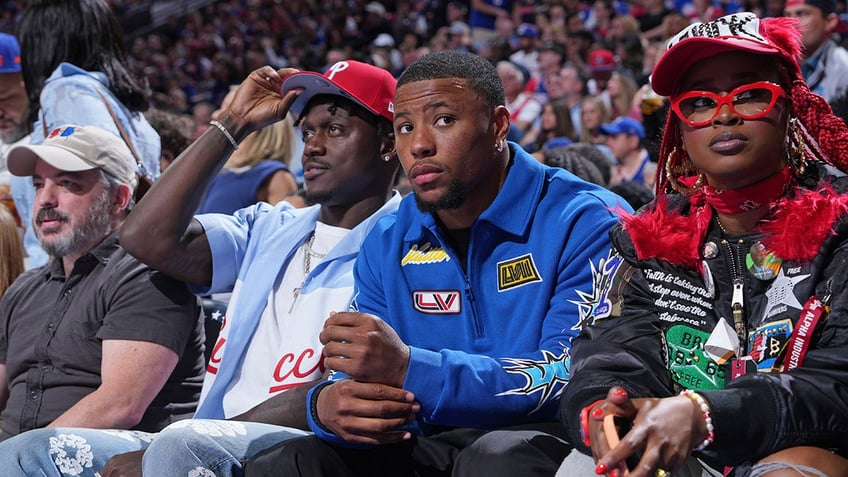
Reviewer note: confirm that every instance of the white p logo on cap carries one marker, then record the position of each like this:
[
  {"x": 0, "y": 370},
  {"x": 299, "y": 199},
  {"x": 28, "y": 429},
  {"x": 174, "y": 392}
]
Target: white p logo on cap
[{"x": 337, "y": 68}]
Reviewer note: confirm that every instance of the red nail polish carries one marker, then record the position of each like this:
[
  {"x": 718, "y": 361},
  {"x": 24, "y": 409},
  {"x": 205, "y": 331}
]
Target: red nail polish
[
  {"x": 614, "y": 473},
  {"x": 601, "y": 468},
  {"x": 620, "y": 392},
  {"x": 598, "y": 412}
]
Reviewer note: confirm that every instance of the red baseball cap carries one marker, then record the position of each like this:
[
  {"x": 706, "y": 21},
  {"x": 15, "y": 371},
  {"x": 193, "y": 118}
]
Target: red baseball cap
[
  {"x": 601, "y": 60},
  {"x": 736, "y": 32},
  {"x": 371, "y": 87}
]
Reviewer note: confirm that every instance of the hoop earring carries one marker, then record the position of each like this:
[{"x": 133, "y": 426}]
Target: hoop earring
[
  {"x": 672, "y": 172},
  {"x": 795, "y": 145}
]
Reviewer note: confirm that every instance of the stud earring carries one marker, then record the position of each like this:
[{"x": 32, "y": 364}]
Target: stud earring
[
  {"x": 387, "y": 158},
  {"x": 500, "y": 146}
]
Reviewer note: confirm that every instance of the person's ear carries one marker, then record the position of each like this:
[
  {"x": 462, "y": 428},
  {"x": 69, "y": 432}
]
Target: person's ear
[
  {"x": 121, "y": 199},
  {"x": 831, "y": 21},
  {"x": 501, "y": 124},
  {"x": 387, "y": 146}
]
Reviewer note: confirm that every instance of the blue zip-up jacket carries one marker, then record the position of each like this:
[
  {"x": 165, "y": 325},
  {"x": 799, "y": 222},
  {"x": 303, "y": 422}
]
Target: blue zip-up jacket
[
  {"x": 250, "y": 250},
  {"x": 489, "y": 347}
]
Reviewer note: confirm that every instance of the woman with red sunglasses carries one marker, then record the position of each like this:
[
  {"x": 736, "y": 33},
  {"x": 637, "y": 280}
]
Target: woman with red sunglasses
[{"x": 718, "y": 341}]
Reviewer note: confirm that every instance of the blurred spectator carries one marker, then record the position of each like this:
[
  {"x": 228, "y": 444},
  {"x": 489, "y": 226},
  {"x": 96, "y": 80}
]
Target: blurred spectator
[
  {"x": 630, "y": 51},
  {"x": 620, "y": 25},
  {"x": 523, "y": 106},
  {"x": 551, "y": 58},
  {"x": 555, "y": 122},
  {"x": 11, "y": 250},
  {"x": 593, "y": 114},
  {"x": 622, "y": 94},
  {"x": 601, "y": 66},
  {"x": 825, "y": 65},
  {"x": 579, "y": 44},
  {"x": 459, "y": 37},
  {"x": 701, "y": 10},
  {"x": 527, "y": 53},
  {"x": 384, "y": 54},
  {"x": 175, "y": 132},
  {"x": 14, "y": 108},
  {"x": 673, "y": 23},
  {"x": 374, "y": 22},
  {"x": 651, "y": 17},
  {"x": 482, "y": 18},
  {"x": 600, "y": 18},
  {"x": 624, "y": 139},
  {"x": 572, "y": 86}
]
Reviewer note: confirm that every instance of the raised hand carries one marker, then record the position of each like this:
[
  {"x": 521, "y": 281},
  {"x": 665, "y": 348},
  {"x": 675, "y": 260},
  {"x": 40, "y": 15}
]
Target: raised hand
[{"x": 258, "y": 101}]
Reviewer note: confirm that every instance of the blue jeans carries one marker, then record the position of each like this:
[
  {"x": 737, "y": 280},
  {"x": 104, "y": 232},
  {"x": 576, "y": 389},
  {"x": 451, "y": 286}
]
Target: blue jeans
[
  {"x": 65, "y": 452},
  {"x": 206, "y": 448}
]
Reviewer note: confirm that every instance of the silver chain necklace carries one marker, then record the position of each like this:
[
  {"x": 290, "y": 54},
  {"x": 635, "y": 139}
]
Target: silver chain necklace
[{"x": 308, "y": 253}]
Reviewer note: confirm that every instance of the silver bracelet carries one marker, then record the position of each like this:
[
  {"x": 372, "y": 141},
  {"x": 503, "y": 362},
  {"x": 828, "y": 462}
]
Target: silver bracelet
[{"x": 225, "y": 133}]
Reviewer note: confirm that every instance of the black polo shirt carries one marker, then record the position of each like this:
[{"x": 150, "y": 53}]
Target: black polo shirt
[{"x": 52, "y": 327}]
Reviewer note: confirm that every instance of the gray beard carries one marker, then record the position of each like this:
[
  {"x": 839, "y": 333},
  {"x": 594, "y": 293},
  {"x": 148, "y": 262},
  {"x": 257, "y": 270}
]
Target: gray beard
[
  {"x": 94, "y": 228},
  {"x": 15, "y": 134}
]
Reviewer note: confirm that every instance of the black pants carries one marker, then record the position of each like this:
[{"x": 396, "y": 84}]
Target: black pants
[{"x": 529, "y": 450}]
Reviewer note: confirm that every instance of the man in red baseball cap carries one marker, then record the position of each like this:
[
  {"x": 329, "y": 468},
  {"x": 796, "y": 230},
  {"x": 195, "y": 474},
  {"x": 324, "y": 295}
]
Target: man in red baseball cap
[
  {"x": 825, "y": 65},
  {"x": 287, "y": 269}
]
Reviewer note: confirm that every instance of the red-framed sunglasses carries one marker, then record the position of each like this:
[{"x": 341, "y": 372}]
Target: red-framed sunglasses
[{"x": 749, "y": 101}]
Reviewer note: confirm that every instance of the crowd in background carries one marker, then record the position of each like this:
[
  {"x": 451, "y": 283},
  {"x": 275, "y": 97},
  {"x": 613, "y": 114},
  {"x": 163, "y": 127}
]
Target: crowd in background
[{"x": 570, "y": 66}]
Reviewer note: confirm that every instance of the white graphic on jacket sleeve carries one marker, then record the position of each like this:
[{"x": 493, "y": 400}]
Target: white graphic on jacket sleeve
[
  {"x": 782, "y": 292},
  {"x": 547, "y": 377},
  {"x": 596, "y": 305},
  {"x": 71, "y": 453}
]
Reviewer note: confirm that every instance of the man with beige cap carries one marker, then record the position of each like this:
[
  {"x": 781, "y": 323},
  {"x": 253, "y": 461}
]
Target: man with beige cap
[{"x": 94, "y": 338}]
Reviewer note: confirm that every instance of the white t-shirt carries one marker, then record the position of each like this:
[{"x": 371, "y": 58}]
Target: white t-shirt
[{"x": 285, "y": 352}]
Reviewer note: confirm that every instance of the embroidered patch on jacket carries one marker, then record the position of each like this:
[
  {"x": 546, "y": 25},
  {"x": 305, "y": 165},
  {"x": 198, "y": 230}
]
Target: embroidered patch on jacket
[
  {"x": 689, "y": 364},
  {"x": 439, "y": 302},
  {"x": 517, "y": 272},
  {"x": 768, "y": 343},
  {"x": 547, "y": 377},
  {"x": 781, "y": 294},
  {"x": 425, "y": 255},
  {"x": 605, "y": 296}
]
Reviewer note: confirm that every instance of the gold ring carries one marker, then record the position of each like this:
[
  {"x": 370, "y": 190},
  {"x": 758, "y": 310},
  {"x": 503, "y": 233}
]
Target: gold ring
[{"x": 662, "y": 473}]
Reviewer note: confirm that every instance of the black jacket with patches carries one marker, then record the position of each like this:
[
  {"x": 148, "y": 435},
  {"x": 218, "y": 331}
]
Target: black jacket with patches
[{"x": 651, "y": 341}]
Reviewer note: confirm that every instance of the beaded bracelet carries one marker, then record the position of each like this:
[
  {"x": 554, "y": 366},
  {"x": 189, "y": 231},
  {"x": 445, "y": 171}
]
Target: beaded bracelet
[
  {"x": 705, "y": 408},
  {"x": 225, "y": 133}
]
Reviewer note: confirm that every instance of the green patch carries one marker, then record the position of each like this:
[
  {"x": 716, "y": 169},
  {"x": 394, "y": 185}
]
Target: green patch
[{"x": 690, "y": 366}]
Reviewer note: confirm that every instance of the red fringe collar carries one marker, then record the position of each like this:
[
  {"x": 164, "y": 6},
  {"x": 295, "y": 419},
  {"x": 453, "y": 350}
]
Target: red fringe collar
[{"x": 798, "y": 227}]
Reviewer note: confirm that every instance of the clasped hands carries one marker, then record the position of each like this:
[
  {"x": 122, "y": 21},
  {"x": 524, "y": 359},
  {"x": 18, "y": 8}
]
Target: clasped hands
[
  {"x": 662, "y": 432},
  {"x": 371, "y": 407}
]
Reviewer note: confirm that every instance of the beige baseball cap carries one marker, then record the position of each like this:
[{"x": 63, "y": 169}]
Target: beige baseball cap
[{"x": 77, "y": 148}]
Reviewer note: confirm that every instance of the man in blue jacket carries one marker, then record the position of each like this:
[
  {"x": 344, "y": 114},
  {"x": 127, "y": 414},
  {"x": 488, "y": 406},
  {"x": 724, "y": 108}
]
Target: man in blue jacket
[{"x": 467, "y": 299}]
